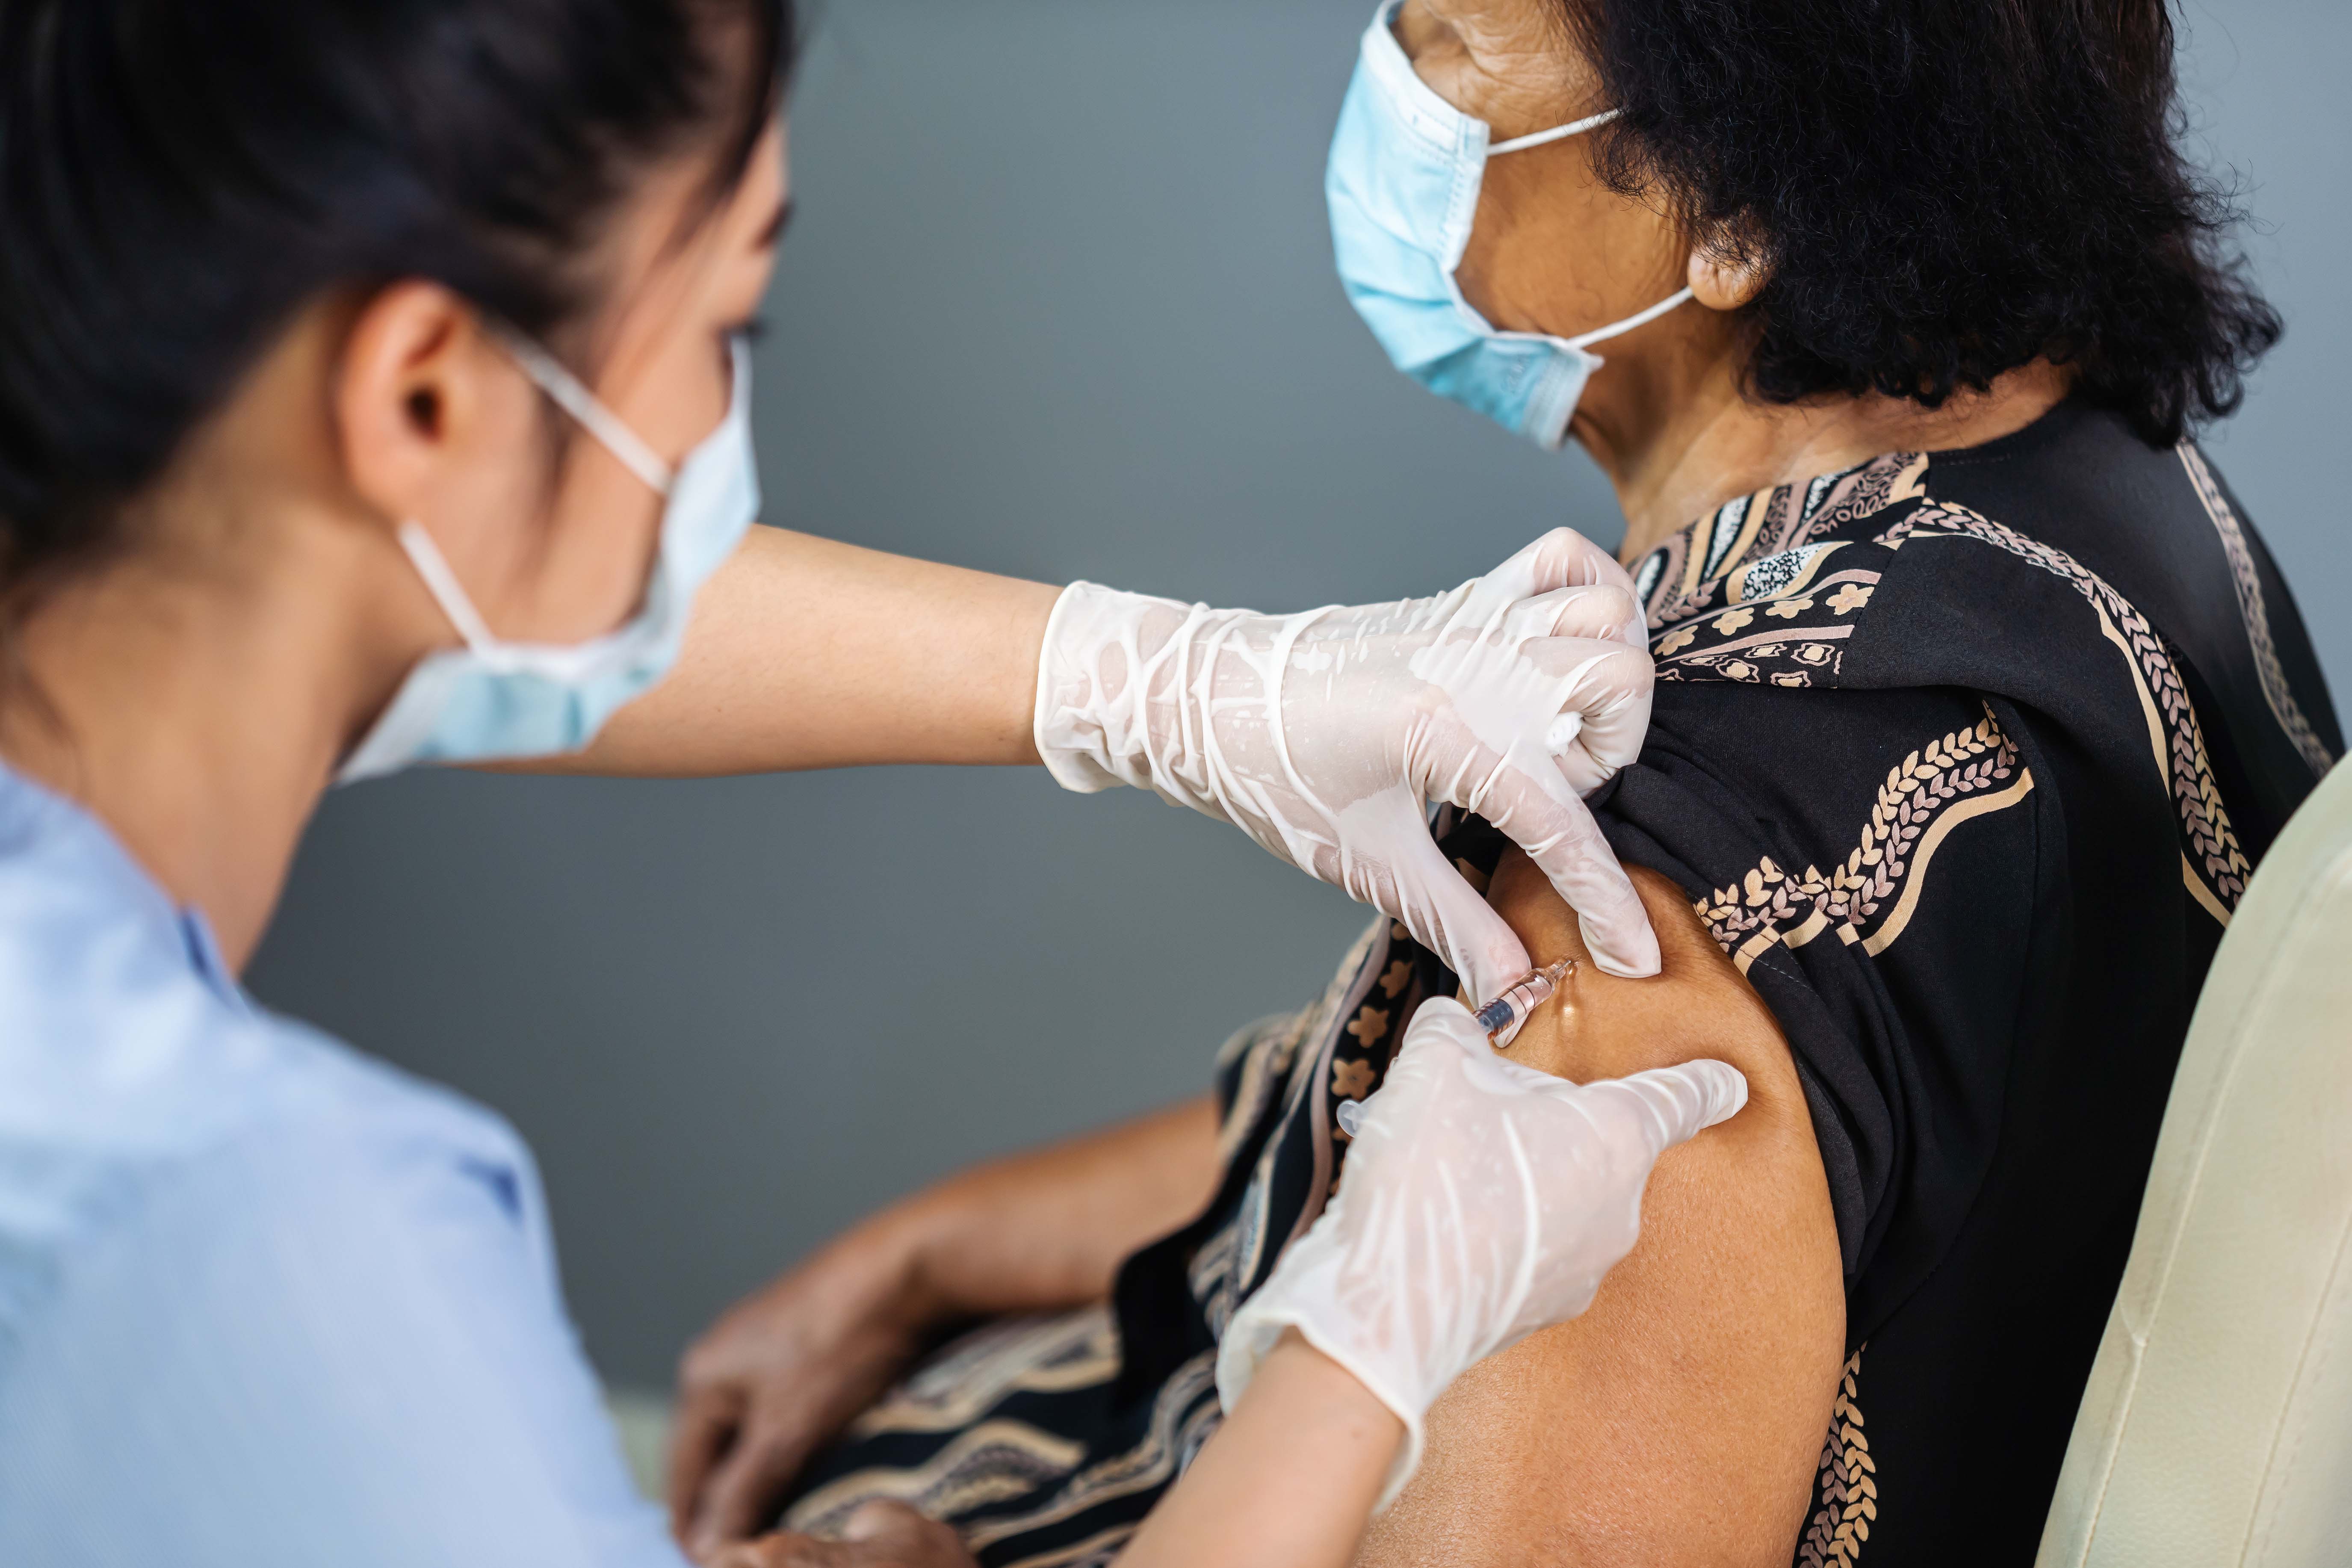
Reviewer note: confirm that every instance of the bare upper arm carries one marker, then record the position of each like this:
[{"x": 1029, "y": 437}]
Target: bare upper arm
[{"x": 1681, "y": 1418}]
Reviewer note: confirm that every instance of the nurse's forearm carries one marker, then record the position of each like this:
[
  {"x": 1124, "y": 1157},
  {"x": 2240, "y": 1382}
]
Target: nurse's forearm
[
  {"x": 1288, "y": 1481},
  {"x": 808, "y": 653}
]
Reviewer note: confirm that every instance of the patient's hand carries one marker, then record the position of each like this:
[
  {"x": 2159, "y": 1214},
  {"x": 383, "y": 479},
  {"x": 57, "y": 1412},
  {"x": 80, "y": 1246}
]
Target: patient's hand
[
  {"x": 880, "y": 1535},
  {"x": 790, "y": 1366},
  {"x": 1681, "y": 1418},
  {"x": 785, "y": 1370}
]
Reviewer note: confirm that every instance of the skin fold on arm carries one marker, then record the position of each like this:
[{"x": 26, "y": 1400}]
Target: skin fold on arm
[{"x": 1679, "y": 1420}]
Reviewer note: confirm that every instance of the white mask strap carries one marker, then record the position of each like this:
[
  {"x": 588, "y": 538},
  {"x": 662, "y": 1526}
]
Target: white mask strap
[
  {"x": 572, "y": 397},
  {"x": 448, "y": 592},
  {"x": 1639, "y": 319},
  {"x": 1558, "y": 132}
]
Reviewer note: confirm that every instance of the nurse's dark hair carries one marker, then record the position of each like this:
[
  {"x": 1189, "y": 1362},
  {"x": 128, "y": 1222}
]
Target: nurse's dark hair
[
  {"x": 179, "y": 177},
  {"x": 1942, "y": 190}
]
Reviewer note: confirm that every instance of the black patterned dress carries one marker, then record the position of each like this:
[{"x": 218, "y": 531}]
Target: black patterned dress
[{"x": 1965, "y": 759}]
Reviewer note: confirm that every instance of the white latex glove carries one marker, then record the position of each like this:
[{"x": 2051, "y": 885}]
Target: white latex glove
[
  {"x": 1324, "y": 735},
  {"x": 1481, "y": 1200}
]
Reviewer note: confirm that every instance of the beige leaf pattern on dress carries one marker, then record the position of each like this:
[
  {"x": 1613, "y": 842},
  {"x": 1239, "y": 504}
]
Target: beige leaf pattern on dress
[
  {"x": 1848, "y": 1485},
  {"x": 1926, "y": 782},
  {"x": 2204, "y": 820}
]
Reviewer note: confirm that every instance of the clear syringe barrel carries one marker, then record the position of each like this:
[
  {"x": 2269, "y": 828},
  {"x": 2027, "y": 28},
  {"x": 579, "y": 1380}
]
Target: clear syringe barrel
[{"x": 1502, "y": 1017}]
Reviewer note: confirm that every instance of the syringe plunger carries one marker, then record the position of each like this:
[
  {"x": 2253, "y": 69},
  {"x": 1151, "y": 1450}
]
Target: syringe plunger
[{"x": 1502, "y": 1017}]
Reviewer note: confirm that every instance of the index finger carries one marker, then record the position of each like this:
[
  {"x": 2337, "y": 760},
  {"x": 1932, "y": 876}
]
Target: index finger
[
  {"x": 1682, "y": 1101},
  {"x": 706, "y": 1425},
  {"x": 1560, "y": 834}
]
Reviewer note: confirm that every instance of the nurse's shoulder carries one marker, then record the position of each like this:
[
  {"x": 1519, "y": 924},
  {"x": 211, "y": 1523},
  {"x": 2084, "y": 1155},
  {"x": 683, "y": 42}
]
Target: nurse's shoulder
[
  {"x": 291, "y": 1289},
  {"x": 127, "y": 1050}
]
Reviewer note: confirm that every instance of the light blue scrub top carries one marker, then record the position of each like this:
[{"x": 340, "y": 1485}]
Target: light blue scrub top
[{"x": 263, "y": 1301}]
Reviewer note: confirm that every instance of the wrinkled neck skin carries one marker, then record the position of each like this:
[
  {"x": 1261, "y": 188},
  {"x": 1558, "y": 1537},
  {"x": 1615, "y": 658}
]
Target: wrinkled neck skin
[
  {"x": 195, "y": 689},
  {"x": 1667, "y": 419}
]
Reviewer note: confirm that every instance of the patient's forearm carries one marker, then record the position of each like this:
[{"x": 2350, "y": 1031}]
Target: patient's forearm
[{"x": 1049, "y": 1228}]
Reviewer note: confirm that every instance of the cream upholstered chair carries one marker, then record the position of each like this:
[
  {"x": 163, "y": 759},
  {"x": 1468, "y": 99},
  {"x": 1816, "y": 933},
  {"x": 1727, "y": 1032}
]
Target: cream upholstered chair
[{"x": 2216, "y": 1427}]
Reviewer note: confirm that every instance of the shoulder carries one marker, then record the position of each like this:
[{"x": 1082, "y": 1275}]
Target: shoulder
[
  {"x": 341, "y": 1298},
  {"x": 134, "y": 1076},
  {"x": 288, "y": 1288},
  {"x": 1872, "y": 582},
  {"x": 170, "y": 1145},
  {"x": 1843, "y": 583},
  {"x": 291, "y": 1336}
]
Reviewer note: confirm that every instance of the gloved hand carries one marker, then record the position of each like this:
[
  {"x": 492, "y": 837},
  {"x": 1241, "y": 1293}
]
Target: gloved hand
[
  {"x": 1481, "y": 1200},
  {"x": 1323, "y": 735}
]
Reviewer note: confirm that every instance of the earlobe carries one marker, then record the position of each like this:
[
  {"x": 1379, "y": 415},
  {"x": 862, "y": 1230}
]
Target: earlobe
[{"x": 1725, "y": 280}]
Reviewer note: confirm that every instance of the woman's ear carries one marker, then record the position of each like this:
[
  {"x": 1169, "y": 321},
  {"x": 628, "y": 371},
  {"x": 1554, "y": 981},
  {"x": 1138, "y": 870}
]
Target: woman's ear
[{"x": 1725, "y": 280}]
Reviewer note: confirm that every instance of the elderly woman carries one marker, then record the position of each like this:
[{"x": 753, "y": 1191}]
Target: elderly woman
[{"x": 1979, "y": 702}]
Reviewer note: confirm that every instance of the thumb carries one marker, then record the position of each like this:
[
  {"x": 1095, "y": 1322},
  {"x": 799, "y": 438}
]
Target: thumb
[
  {"x": 1561, "y": 559},
  {"x": 1681, "y": 1101},
  {"x": 1454, "y": 920}
]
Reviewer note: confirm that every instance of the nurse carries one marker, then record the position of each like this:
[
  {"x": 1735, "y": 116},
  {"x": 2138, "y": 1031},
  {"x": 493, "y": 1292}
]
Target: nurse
[{"x": 374, "y": 392}]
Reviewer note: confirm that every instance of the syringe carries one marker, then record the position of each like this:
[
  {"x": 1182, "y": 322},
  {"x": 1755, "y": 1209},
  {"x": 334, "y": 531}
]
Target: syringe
[{"x": 1502, "y": 1017}]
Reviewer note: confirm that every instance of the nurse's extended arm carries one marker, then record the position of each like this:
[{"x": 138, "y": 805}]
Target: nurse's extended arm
[
  {"x": 808, "y": 653},
  {"x": 1321, "y": 734}
]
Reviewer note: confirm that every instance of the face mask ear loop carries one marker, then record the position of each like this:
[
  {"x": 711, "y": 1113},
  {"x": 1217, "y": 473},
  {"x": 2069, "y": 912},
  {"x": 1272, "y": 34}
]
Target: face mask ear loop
[
  {"x": 448, "y": 593},
  {"x": 1639, "y": 319},
  {"x": 573, "y": 397},
  {"x": 1558, "y": 132}
]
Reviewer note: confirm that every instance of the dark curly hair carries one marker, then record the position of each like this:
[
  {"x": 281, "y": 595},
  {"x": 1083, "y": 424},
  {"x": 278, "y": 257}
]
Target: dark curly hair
[{"x": 1941, "y": 190}]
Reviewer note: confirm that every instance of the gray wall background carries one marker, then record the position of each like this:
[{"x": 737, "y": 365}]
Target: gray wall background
[{"x": 1057, "y": 302}]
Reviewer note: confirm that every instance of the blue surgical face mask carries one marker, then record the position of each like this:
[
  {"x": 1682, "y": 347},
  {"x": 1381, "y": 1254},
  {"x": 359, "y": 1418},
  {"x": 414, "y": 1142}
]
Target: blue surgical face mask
[
  {"x": 493, "y": 699},
  {"x": 1403, "y": 184}
]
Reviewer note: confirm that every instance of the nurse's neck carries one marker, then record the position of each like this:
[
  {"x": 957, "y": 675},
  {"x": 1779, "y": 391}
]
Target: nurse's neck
[
  {"x": 1669, "y": 421},
  {"x": 194, "y": 689}
]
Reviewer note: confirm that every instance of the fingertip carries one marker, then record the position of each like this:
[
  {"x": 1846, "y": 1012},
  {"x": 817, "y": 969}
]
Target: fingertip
[
  {"x": 1627, "y": 969},
  {"x": 1697, "y": 1095},
  {"x": 1684, "y": 1101},
  {"x": 1726, "y": 1089},
  {"x": 1573, "y": 559},
  {"x": 876, "y": 1518},
  {"x": 1562, "y": 558},
  {"x": 1492, "y": 959},
  {"x": 1625, "y": 946}
]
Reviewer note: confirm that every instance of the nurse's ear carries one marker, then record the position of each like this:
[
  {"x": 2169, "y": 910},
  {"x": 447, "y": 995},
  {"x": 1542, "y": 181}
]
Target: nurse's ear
[{"x": 433, "y": 421}]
